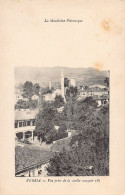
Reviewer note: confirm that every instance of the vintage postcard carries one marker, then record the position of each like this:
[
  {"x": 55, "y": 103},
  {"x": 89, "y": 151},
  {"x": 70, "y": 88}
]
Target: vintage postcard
[{"x": 62, "y": 97}]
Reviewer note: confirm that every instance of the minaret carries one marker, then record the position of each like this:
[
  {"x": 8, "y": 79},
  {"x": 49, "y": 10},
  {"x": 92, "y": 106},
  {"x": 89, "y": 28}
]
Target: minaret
[{"x": 62, "y": 85}]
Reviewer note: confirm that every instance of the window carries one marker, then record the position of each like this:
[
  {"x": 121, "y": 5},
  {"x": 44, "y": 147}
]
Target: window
[
  {"x": 20, "y": 124},
  {"x": 24, "y": 123},
  {"x": 15, "y": 125},
  {"x": 28, "y": 123},
  {"x": 34, "y": 123}
]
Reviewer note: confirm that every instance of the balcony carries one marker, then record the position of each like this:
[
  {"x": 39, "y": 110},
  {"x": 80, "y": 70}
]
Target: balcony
[{"x": 24, "y": 129}]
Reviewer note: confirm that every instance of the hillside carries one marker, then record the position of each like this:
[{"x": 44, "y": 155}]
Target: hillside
[{"x": 43, "y": 75}]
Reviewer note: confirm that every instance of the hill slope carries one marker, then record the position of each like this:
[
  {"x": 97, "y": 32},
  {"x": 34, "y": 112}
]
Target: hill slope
[{"x": 43, "y": 75}]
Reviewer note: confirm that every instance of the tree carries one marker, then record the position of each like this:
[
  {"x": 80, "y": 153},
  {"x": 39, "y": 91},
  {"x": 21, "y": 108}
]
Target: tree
[
  {"x": 66, "y": 82},
  {"x": 59, "y": 101},
  {"x": 50, "y": 135},
  {"x": 30, "y": 104},
  {"x": 36, "y": 89},
  {"x": 46, "y": 90},
  {"x": 71, "y": 92},
  {"x": 28, "y": 90},
  {"x": 45, "y": 120},
  {"x": 107, "y": 81},
  {"x": 89, "y": 152}
]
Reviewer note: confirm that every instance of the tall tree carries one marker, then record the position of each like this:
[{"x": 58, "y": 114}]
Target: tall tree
[
  {"x": 66, "y": 82},
  {"x": 36, "y": 89},
  {"x": 45, "y": 120},
  {"x": 71, "y": 92},
  {"x": 28, "y": 90},
  {"x": 59, "y": 101},
  {"x": 107, "y": 81}
]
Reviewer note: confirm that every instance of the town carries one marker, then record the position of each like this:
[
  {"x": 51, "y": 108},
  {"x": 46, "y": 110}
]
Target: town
[{"x": 62, "y": 131}]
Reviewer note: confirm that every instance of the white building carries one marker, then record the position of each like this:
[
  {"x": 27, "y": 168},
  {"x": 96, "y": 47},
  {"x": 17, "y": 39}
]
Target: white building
[
  {"x": 93, "y": 91},
  {"x": 25, "y": 121}
]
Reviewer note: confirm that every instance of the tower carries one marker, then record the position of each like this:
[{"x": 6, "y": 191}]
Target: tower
[
  {"x": 62, "y": 85},
  {"x": 72, "y": 82}
]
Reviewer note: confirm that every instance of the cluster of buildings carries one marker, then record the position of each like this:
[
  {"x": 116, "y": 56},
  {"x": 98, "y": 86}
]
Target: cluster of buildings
[
  {"x": 25, "y": 122},
  {"x": 25, "y": 119},
  {"x": 100, "y": 93},
  {"x": 19, "y": 96},
  {"x": 62, "y": 91}
]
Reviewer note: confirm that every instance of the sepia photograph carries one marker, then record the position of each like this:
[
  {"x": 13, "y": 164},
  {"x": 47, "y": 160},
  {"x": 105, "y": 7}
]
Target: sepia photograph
[
  {"x": 61, "y": 121},
  {"x": 62, "y": 72}
]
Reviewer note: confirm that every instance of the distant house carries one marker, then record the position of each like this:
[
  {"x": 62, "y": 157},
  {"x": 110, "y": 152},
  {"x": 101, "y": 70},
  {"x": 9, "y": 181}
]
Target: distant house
[
  {"x": 18, "y": 96},
  {"x": 51, "y": 96},
  {"x": 101, "y": 100},
  {"x": 48, "y": 97},
  {"x": 95, "y": 90}
]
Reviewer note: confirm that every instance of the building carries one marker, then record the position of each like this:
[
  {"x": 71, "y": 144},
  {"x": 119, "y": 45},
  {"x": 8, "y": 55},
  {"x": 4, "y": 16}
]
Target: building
[
  {"x": 96, "y": 90},
  {"x": 18, "y": 96},
  {"x": 72, "y": 82},
  {"x": 52, "y": 94},
  {"x": 48, "y": 97},
  {"x": 101, "y": 100},
  {"x": 25, "y": 122},
  {"x": 31, "y": 161}
]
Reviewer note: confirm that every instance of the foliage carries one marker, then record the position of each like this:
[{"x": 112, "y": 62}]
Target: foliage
[
  {"x": 71, "y": 92},
  {"x": 29, "y": 89},
  {"x": 48, "y": 118},
  {"x": 107, "y": 81},
  {"x": 36, "y": 89},
  {"x": 46, "y": 90},
  {"x": 58, "y": 102},
  {"x": 66, "y": 82},
  {"x": 89, "y": 153},
  {"x": 61, "y": 133},
  {"x": 89, "y": 149},
  {"x": 30, "y": 104}
]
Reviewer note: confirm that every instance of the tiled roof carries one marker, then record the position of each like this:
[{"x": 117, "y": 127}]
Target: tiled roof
[
  {"x": 29, "y": 155},
  {"x": 25, "y": 114}
]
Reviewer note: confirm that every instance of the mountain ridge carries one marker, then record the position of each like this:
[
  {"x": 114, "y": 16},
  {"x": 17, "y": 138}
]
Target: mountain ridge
[{"x": 42, "y": 75}]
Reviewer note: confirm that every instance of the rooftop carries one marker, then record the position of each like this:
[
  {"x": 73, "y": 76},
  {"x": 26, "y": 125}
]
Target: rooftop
[
  {"x": 25, "y": 114},
  {"x": 94, "y": 89},
  {"x": 29, "y": 155}
]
